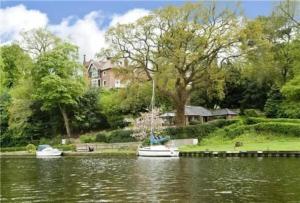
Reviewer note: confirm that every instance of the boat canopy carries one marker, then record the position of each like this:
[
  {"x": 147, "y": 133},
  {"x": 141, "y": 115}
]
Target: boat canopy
[
  {"x": 157, "y": 139},
  {"x": 43, "y": 146}
]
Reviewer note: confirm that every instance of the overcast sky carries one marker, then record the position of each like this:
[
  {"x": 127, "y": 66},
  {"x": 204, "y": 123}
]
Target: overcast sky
[{"x": 85, "y": 22}]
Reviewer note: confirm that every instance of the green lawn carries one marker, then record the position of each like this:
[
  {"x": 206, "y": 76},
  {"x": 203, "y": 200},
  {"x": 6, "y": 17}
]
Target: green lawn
[{"x": 251, "y": 142}]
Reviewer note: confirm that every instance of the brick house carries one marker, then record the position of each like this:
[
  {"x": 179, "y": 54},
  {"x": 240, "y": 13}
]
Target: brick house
[{"x": 102, "y": 73}]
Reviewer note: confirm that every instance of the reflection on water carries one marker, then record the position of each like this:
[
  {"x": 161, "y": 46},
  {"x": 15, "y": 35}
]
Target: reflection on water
[{"x": 87, "y": 179}]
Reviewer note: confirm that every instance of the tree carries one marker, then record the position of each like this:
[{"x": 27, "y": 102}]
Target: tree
[
  {"x": 174, "y": 46},
  {"x": 20, "y": 107},
  {"x": 57, "y": 81},
  {"x": 38, "y": 41},
  {"x": 15, "y": 64},
  {"x": 272, "y": 107},
  {"x": 87, "y": 114}
]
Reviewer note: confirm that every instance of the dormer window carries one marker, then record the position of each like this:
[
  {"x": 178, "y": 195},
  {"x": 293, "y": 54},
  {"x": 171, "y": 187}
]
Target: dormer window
[{"x": 94, "y": 73}]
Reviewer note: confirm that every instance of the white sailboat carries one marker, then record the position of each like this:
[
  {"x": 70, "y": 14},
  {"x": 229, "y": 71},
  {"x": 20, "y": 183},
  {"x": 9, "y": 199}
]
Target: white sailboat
[{"x": 156, "y": 149}]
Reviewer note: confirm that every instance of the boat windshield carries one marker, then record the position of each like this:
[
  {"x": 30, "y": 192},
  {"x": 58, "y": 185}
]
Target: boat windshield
[{"x": 42, "y": 147}]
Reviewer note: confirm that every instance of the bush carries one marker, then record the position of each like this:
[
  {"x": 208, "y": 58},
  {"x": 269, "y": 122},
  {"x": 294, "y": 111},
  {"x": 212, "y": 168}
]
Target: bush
[
  {"x": 87, "y": 138},
  {"x": 235, "y": 131},
  {"x": 253, "y": 120},
  {"x": 69, "y": 147},
  {"x": 101, "y": 137},
  {"x": 120, "y": 136},
  {"x": 197, "y": 131},
  {"x": 12, "y": 149},
  {"x": 252, "y": 113},
  {"x": 30, "y": 148},
  {"x": 50, "y": 141},
  {"x": 278, "y": 128}
]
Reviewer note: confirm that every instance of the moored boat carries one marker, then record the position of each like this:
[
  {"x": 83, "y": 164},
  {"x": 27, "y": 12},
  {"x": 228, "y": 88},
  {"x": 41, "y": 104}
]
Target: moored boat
[
  {"x": 158, "y": 151},
  {"x": 47, "y": 150}
]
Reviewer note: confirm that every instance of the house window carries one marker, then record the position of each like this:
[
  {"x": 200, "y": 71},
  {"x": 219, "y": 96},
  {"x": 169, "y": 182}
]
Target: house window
[
  {"x": 104, "y": 73},
  {"x": 117, "y": 83},
  {"x": 104, "y": 83},
  {"x": 94, "y": 73},
  {"x": 99, "y": 83},
  {"x": 94, "y": 83}
]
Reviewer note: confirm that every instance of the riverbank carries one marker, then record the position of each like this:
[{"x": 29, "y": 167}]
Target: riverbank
[
  {"x": 110, "y": 152},
  {"x": 246, "y": 142}
]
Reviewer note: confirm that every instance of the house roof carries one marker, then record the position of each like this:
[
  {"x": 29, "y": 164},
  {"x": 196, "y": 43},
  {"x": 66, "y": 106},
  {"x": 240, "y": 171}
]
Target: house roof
[
  {"x": 201, "y": 111},
  {"x": 197, "y": 111},
  {"x": 223, "y": 112},
  {"x": 99, "y": 65}
]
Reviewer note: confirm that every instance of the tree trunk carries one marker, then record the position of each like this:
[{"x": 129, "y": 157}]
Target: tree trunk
[
  {"x": 180, "y": 117},
  {"x": 66, "y": 121},
  {"x": 181, "y": 99}
]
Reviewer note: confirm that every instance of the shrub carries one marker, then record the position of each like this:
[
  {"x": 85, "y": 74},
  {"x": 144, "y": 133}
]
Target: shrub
[
  {"x": 87, "y": 138},
  {"x": 197, "y": 131},
  {"x": 30, "y": 148},
  {"x": 254, "y": 120},
  {"x": 278, "y": 128},
  {"x": 120, "y": 136},
  {"x": 235, "y": 131},
  {"x": 69, "y": 147},
  {"x": 51, "y": 141},
  {"x": 12, "y": 149},
  {"x": 252, "y": 113},
  {"x": 101, "y": 137}
]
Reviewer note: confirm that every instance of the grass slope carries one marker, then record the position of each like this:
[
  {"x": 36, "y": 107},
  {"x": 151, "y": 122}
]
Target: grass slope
[{"x": 255, "y": 134}]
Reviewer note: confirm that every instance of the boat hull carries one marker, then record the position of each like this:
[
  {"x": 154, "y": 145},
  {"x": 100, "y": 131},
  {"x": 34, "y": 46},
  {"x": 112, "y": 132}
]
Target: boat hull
[
  {"x": 158, "y": 151},
  {"x": 49, "y": 154}
]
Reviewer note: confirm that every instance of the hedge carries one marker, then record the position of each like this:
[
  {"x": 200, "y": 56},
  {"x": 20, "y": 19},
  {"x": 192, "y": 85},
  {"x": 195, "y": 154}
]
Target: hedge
[
  {"x": 197, "y": 131},
  {"x": 67, "y": 147},
  {"x": 115, "y": 136},
  {"x": 291, "y": 129},
  {"x": 12, "y": 149},
  {"x": 120, "y": 136},
  {"x": 87, "y": 138},
  {"x": 252, "y": 120}
]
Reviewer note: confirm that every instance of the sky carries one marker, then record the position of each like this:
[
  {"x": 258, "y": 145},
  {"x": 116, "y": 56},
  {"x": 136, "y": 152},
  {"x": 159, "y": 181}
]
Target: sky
[{"x": 84, "y": 23}]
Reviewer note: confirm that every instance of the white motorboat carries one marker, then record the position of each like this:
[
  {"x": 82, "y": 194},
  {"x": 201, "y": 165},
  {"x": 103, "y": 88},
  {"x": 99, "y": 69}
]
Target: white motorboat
[
  {"x": 158, "y": 151},
  {"x": 47, "y": 150}
]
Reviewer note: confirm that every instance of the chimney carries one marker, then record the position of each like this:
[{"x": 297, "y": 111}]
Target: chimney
[{"x": 84, "y": 59}]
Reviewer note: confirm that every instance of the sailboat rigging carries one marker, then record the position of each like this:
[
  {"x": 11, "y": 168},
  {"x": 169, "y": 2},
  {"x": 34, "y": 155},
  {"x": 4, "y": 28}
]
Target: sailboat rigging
[{"x": 156, "y": 148}]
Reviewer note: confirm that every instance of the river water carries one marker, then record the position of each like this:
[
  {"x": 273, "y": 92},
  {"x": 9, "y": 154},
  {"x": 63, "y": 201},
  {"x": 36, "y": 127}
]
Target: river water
[{"x": 132, "y": 179}]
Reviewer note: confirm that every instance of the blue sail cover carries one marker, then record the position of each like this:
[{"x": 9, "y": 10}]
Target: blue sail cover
[{"x": 158, "y": 140}]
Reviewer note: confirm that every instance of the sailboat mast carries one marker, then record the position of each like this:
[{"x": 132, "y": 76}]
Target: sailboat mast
[{"x": 152, "y": 105}]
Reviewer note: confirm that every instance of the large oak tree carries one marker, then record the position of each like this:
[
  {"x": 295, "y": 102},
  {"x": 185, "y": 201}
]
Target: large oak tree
[{"x": 176, "y": 45}]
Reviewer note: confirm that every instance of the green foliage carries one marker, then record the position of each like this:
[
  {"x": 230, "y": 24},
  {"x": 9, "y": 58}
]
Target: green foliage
[
  {"x": 30, "y": 148},
  {"x": 273, "y": 104},
  {"x": 88, "y": 138},
  {"x": 252, "y": 113},
  {"x": 12, "y": 149},
  {"x": 281, "y": 126},
  {"x": 115, "y": 136},
  {"x": 291, "y": 129},
  {"x": 291, "y": 90},
  {"x": 101, "y": 137},
  {"x": 55, "y": 91},
  {"x": 4, "y": 115},
  {"x": 67, "y": 147},
  {"x": 197, "y": 131},
  {"x": 120, "y": 136},
  {"x": 15, "y": 64},
  {"x": 87, "y": 113}
]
